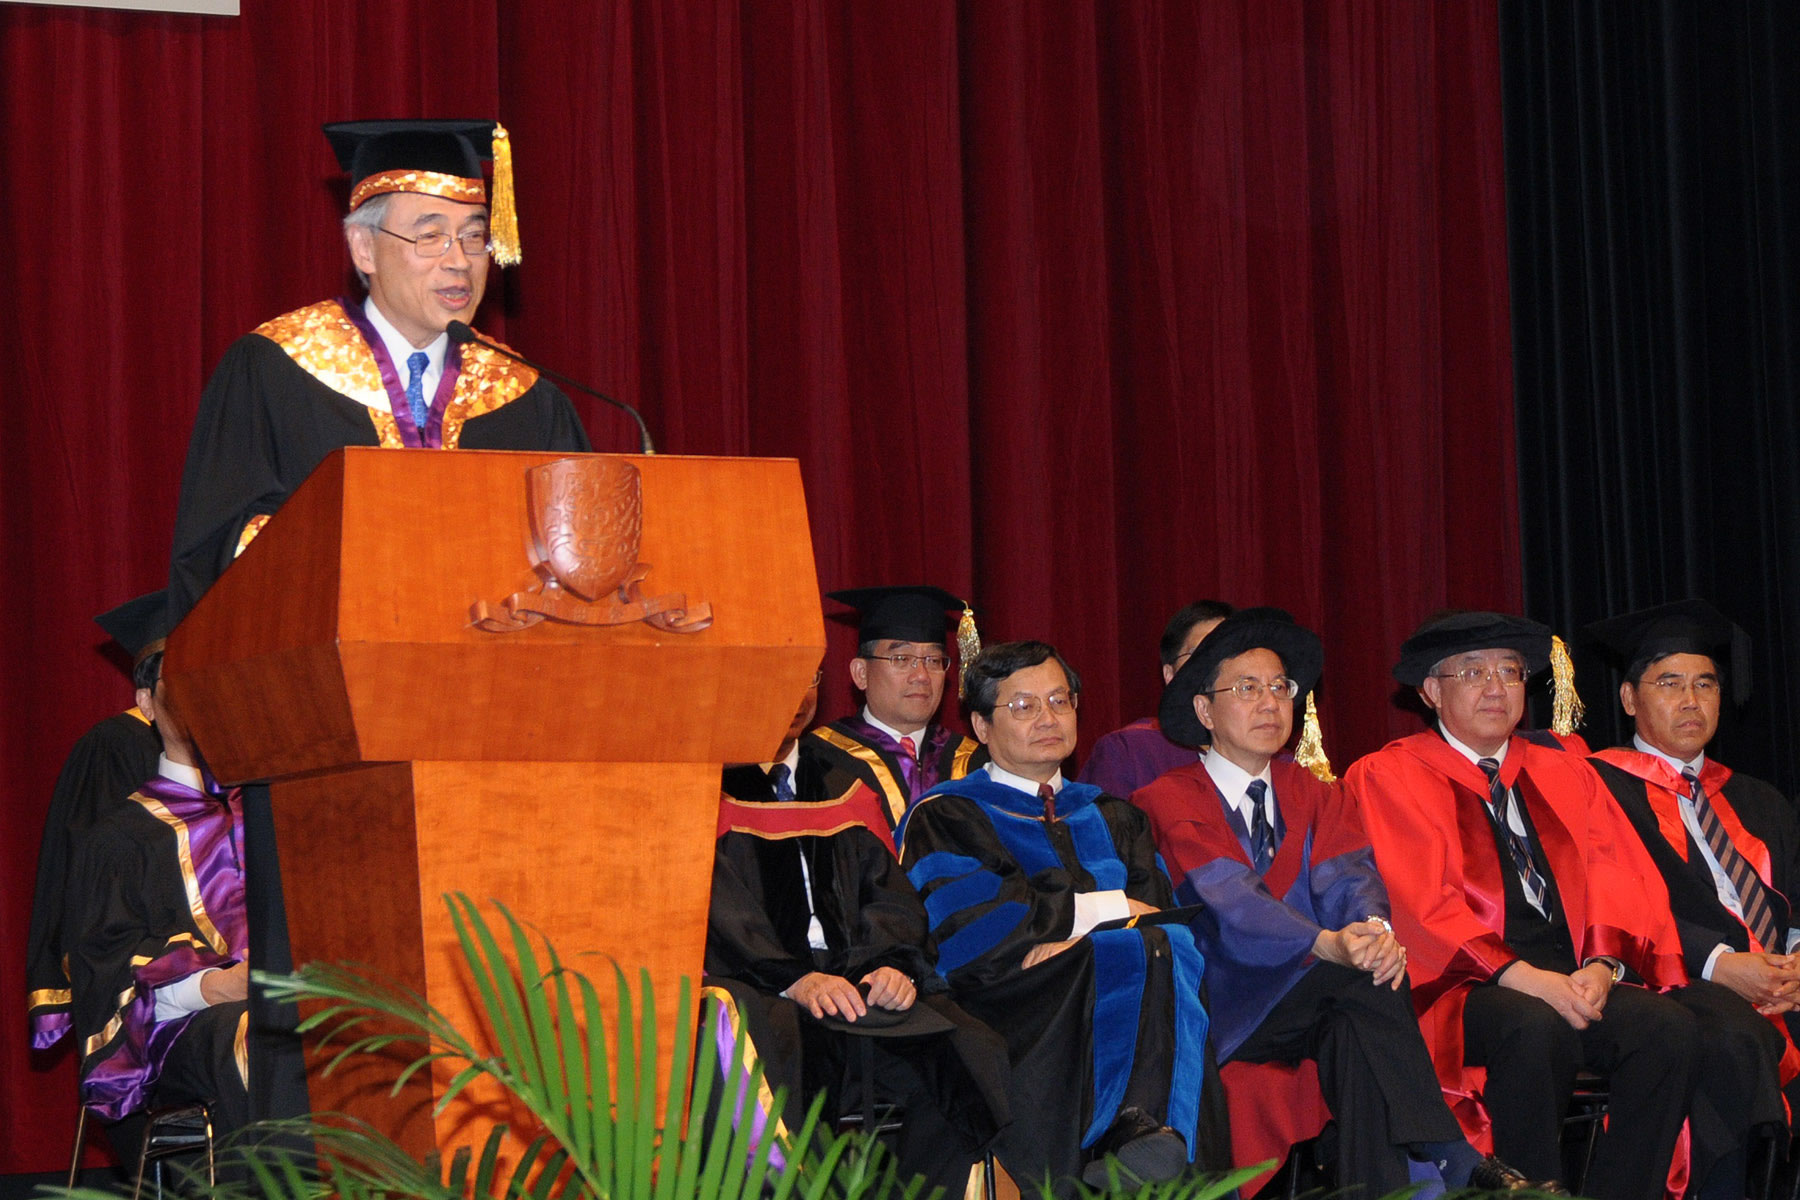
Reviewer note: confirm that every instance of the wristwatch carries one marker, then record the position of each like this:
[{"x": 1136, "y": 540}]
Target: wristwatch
[{"x": 1385, "y": 924}]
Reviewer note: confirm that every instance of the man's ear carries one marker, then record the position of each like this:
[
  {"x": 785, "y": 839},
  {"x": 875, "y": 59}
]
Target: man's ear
[
  {"x": 1628, "y": 697},
  {"x": 146, "y": 703},
  {"x": 980, "y": 725},
  {"x": 1203, "y": 710},
  {"x": 1432, "y": 693},
  {"x": 859, "y": 674},
  {"x": 361, "y": 240},
  {"x": 1168, "y": 674}
]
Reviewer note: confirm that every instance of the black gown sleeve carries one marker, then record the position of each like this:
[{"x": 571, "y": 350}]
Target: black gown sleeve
[
  {"x": 1145, "y": 879},
  {"x": 742, "y": 942},
  {"x": 891, "y": 929}
]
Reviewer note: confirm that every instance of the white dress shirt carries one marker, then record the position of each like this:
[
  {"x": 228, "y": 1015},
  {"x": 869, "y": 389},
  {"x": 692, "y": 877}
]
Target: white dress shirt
[
  {"x": 1234, "y": 784},
  {"x": 917, "y": 735},
  {"x": 399, "y": 349}
]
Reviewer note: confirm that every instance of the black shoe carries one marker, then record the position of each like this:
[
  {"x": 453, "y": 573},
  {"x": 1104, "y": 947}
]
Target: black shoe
[
  {"x": 1492, "y": 1175},
  {"x": 1147, "y": 1151}
]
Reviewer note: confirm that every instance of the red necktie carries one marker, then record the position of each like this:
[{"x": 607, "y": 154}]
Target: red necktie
[{"x": 1047, "y": 794}]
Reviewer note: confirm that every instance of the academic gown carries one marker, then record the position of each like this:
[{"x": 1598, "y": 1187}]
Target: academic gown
[
  {"x": 1126, "y": 759},
  {"x": 1114, "y": 1020},
  {"x": 103, "y": 767},
  {"x": 156, "y": 895},
  {"x": 1763, "y": 827},
  {"x": 952, "y": 1086},
  {"x": 1257, "y": 933},
  {"x": 856, "y": 747},
  {"x": 283, "y": 398},
  {"x": 1422, "y": 804}
]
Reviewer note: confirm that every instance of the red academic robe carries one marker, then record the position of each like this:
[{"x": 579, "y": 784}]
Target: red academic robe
[{"x": 1422, "y": 804}]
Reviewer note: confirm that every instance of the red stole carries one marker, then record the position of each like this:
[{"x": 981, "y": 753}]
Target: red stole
[
  {"x": 1664, "y": 790},
  {"x": 806, "y": 818}
]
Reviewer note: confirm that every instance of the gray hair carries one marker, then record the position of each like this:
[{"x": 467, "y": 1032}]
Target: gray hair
[{"x": 368, "y": 216}]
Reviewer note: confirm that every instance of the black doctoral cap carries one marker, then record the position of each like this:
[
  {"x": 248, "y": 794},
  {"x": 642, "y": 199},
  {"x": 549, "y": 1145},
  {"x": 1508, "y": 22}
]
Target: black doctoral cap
[
  {"x": 138, "y": 625},
  {"x": 1302, "y": 658},
  {"x": 435, "y": 158},
  {"x": 1684, "y": 627},
  {"x": 906, "y": 614},
  {"x": 1459, "y": 633}
]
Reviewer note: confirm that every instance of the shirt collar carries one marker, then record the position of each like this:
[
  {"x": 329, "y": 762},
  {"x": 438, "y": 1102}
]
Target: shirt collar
[
  {"x": 791, "y": 762},
  {"x": 1234, "y": 782},
  {"x": 399, "y": 349},
  {"x": 180, "y": 773},
  {"x": 917, "y": 735},
  {"x": 1019, "y": 782},
  {"x": 1469, "y": 753},
  {"x": 1699, "y": 760}
]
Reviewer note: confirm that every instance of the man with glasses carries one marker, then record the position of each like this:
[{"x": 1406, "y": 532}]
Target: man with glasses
[
  {"x": 380, "y": 372},
  {"x": 1530, "y": 915},
  {"x": 895, "y": 744},
  {"x": 1727, "y": 845},
  {"x": 1032, "y": 884},
  {"x": 1126, "y": 759},
  {"x": 1302, "y": 962}
]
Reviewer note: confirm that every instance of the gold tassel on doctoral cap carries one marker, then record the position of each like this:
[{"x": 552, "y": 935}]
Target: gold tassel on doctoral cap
[
  {"x": 1566, "y": 709},
  {"x": 968, "y": 645},
  {"x": 503, "y": 212},
  {"x": 1310, "y": 753}
]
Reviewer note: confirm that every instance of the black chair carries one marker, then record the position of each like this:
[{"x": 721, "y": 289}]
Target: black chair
[{"x": 178, "y": 1129}]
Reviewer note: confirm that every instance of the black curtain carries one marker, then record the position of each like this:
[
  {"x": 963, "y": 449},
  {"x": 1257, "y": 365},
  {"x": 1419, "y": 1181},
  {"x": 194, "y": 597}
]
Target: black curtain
[{"x": 1653, "y": 206}]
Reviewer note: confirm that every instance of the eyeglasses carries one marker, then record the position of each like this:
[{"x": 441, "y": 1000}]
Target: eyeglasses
[
  {"x": 435, "y": 245},
  {"x": 1248, "y": 690},
  {"x": 1705, "y": 686},
  {"x": 1509, "y": 674},
  {"x": 818, "y": 677},
  {"x": 935, "y": 663},
  {"x": 1027, "y": 708}
]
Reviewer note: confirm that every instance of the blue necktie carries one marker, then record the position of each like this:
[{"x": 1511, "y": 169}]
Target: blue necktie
[
  {"x": 415, "y": 389},
  {"x": 1262, "y": 834},
  {"x": 784, "y": 789}
]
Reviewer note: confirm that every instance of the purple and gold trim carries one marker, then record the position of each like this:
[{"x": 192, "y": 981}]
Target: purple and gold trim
[{"x": 430, "y": 183}]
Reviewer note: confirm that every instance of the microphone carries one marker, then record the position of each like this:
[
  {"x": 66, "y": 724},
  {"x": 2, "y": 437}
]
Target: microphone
[{"x": 462, "y": 335}]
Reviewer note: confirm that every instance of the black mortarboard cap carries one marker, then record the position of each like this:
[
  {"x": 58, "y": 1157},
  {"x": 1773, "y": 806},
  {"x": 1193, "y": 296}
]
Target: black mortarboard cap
[
  {"x": 1461, "y": 632},
  {"x": 1683, "y": 627},
  {"x": 138, "y": 624},
  {"x": 436, "y": 158},
  {"x": 906, "y": 614},
  {"x": 1302, "y": 658}
]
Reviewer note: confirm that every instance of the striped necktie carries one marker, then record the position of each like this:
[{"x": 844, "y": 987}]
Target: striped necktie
[
  {"x": 1262, "y": 834},
  {"x": 1499, "y": 804},
  {"x": 415, "y": 389},
  {"x": 1752, "y": 898}
]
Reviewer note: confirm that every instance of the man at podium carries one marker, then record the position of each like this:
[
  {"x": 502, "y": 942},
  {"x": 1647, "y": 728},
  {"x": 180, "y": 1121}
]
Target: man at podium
[
  {"x": 379, "y": 372},
  {"x": 375, "y": 372}
]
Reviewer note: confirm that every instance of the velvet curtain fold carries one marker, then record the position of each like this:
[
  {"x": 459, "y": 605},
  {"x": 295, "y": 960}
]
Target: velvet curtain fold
[
  {"x": 1083, "y": 309},
  {"x": 1653, "y": 184}
]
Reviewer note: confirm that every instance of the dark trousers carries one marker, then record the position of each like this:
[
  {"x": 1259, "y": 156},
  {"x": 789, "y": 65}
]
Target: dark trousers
[
  {"x": 1737, "y": 1089},
  {"x": 1646, "y": 1044},
  {"x": 1373, "y": 1069},
  {"x": 202, "y": 1066}
]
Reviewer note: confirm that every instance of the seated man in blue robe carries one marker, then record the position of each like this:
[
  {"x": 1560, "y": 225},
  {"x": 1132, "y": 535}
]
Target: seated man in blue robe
[
  {"x": 1019, "y": 870},
  {"x": 1294, "y": 927}
]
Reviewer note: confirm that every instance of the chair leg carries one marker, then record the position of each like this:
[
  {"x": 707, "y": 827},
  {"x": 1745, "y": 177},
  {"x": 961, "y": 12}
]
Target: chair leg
[
  {"x": 80, "y": 1140},
  {"x": 990, "y": 1186},
  {"x": 137, "y": 1187}
]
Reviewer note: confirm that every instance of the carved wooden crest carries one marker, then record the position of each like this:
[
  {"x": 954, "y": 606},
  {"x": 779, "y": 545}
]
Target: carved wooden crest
[{"x": 585, "y": 516}]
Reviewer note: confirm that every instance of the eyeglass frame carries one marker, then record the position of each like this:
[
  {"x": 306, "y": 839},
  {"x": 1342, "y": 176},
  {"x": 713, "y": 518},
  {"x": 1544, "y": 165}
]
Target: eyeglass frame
[
  {"x": 1258, "y": 687},
  {"x": 1481, "y": 676},
  {"x": 937, "y": 664},
  {"x": 1036, "y": 704},
  {"x": 1671, "y": 684},
  {"x": 456, "y": 238}
]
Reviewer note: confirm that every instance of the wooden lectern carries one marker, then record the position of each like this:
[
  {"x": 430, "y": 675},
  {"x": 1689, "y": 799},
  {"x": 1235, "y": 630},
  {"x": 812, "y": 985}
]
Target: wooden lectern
[{"x": 571, "y": 772}]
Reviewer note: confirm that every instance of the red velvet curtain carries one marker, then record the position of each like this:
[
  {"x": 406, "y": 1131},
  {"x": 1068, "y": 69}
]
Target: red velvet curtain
[{"x": 1083, "y": 309}]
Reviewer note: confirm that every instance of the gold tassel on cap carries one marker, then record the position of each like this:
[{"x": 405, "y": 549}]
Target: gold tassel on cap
[
  {"x": 503, "y": 213},
  {"x": 1566, "y": 709},
  {"x": 1310, "y": 753},
  {"x": 968, "y": 645}
]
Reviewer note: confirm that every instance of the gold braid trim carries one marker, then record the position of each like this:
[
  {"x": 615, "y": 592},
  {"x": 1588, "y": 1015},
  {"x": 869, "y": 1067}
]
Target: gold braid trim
[
  {"x": 765, "y": 1099},
  {"x": 459, "y": 188},
  {"x": 487, "y": 381},
  {"x": 891, "y": 790},
  {"x": 959, "y": 761},
  {"x": 190, "y": 882}
]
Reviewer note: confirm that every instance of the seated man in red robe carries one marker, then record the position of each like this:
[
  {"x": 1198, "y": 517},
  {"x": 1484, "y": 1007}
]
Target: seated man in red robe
[
  {"x": 1530, "y": 914},
  {"x": 1302, "y": 962}
]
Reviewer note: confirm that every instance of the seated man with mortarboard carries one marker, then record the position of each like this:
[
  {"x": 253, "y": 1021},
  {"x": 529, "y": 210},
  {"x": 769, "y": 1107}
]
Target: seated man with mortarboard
[
  {"x": 895, "y": 745},
  {"x": 1033, "y": 883},
  {"x": 1302, "y": 961},
  {"x": 1126, "y": 759},
  {"x": 1727, "y": 845},
  {"x": 1530, "y": 914},
  {"x": 156, "y": 937},
  {"x": 102, "y": 768},
  {"x": 821, "y": 948}
]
